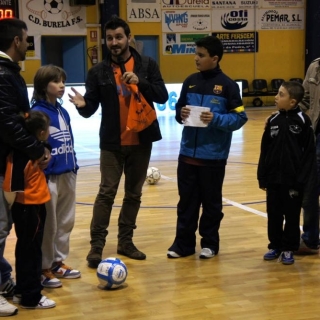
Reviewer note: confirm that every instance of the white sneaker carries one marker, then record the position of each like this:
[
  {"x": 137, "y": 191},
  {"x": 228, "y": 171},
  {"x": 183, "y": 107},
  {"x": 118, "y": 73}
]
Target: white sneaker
[
  {"x": 6, "y": 308},
  {"x": 16, "y": 299},
  {"x": 44, "y": 303},
  {"x": 48, "y": 280},
  {"x": 173, "y": 254},
  {"x": 206, "y": 253},
  {"x": 64, "y": 271}
]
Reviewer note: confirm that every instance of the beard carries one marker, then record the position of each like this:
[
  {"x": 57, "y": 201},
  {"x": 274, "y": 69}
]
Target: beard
[{"x": 118, "y": 51}]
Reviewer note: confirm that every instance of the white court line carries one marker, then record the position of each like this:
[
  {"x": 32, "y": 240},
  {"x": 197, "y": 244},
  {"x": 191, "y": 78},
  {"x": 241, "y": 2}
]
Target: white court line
[
  {"x": 246, "y": 208},
  {"x": 167, "y": 178}
]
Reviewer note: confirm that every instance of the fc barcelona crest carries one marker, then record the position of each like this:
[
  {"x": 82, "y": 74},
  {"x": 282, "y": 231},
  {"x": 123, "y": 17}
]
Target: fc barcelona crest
[{"x": 217, "y": 89}]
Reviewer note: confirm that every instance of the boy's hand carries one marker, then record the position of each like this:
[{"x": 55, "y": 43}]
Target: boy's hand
[
  {"x": 206, "y": 117},
  {"x": 44, "y": 160},
  {"x": 184, "y": 113}
]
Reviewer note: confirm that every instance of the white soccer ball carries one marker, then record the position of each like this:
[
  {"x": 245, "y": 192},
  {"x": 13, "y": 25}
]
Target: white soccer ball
[
  {"x": 53, "y": 6},
  {"x": 112, "y": 273},
  {"x": 153, "y": 175}
]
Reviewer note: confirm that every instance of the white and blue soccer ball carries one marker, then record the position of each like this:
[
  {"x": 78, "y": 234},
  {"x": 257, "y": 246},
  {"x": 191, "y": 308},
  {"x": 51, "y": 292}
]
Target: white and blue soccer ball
[
  {"x": 53, "y": 6},
  {"x": 112, "y": 273},
  {"x": 153, "y": 175}
]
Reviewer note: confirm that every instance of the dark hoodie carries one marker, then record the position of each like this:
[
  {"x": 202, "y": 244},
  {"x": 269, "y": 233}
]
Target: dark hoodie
[{"x": 14, "y": 100}]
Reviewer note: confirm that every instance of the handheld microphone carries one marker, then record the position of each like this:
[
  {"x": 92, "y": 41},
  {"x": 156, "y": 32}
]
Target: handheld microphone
[{"x": 121, "y": 65}]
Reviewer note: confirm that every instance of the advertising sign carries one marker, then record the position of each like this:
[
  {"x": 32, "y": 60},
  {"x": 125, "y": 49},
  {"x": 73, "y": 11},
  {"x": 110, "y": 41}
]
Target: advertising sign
[
  {"x": 231, "y": 20},
  {"x": 180, "y": 43},
  {"x": 186, "y": 21},
  {"x": 281, "y": 19},
  {"x": 238, "y": 41}
]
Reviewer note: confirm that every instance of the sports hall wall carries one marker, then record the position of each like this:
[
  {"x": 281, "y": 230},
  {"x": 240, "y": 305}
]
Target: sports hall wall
[{"x": 264, "y": 38}]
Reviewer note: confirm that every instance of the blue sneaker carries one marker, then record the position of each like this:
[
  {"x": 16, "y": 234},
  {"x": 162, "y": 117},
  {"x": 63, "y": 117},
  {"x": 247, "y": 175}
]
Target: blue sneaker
[
  {"x": 286, "y": 257},
  {"x": 272, "y": 254}
]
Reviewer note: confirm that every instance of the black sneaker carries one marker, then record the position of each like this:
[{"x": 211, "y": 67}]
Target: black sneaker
[
  {"x": 94, "y": 257},
  {"x": 129, "y": 250}
]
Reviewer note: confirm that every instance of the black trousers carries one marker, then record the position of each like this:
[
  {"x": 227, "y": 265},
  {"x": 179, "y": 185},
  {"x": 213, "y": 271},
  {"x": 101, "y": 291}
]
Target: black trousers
[
  {"x": 310, "y": 204},
  {"x": 29, "y": 222},
  {"x": 198, "y": 185},
  {"x": 280, "y": 206}
]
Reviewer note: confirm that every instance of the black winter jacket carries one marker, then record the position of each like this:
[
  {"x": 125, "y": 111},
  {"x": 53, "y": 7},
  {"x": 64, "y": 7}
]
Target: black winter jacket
[
  {"x": 287, "y": 150},
  {"x": 14, "y": 100},
  {"x": 101, "y": 88}
]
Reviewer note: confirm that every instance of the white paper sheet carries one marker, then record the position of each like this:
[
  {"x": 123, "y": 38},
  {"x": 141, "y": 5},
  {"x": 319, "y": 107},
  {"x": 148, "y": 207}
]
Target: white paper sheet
[{"x": 194, "y": 118}]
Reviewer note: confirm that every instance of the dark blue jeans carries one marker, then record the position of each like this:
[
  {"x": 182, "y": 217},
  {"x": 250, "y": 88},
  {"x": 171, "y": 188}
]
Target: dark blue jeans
[
  {"x": 310, "y": 205},
  {"x": 5, "y": 227},
  {"x": 133, "y": 161},
  {"x": 198, "y": 185}
]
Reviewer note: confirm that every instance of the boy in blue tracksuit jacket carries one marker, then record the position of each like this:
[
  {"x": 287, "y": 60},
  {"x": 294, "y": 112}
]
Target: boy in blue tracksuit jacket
[
  {"x": 204, "y": 150},
  {"x": 49, "y": 86}
]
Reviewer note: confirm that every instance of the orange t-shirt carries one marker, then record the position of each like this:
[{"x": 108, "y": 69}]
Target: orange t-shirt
[
  {"x": 128, "y": 137},
  {"x": 26, "y": 179}
]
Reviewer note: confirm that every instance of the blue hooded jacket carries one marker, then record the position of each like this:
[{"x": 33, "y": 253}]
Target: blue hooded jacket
[
  {"x": 63, "y": 156},
  {"x": 213, "y": 89}
]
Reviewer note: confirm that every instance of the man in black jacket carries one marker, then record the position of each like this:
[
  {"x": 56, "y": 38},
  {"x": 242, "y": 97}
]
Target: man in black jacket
[
  {"x": 13, "y": 100},
  {"x": 122, "y": 150}
]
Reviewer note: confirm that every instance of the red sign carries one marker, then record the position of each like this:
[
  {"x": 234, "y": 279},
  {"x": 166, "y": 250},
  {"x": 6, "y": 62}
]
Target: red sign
[{"x": 8, "y": 10}]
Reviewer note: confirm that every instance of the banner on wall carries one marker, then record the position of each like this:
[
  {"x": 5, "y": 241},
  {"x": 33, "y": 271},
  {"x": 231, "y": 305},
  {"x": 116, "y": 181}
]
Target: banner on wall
[
  {"x": 185, "y": 4},
  {"x": 281, "y": 19},
  {"x": 180, "y": 43},
  {"x": 282, "y": 3},
  {"x": 238, "y": 41},
  {"x": 236, "y": 4},
  {"x": 231, "y": 20},
  {"x": 242, "y": 4},
  {"x": 53, "y": 17},
  {"x": 186, "y": 21},
  {"x": 143, "y": 10}
]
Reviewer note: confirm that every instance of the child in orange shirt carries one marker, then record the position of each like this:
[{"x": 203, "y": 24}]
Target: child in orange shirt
[{"x": 28, "y": 182}]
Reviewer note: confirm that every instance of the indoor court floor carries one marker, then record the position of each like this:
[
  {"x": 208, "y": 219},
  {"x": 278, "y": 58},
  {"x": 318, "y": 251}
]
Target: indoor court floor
[{"x": 237, "y": 284}]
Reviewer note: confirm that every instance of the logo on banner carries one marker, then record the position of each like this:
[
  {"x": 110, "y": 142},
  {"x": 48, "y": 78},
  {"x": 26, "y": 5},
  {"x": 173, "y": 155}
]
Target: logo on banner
[
  {"x": 53, "y": 6},
  {"x": 181, "y": 48},
  {"x": 177, "y": 19},
  {"x": 200, "y": 25},
  {"x": 274, "y": 16},
  {"x": 52, "y": 13},
  {"x": 224, "y": 3},
  {"x": 186, "y": 3},
  {"x": 234, "y": 20}
]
